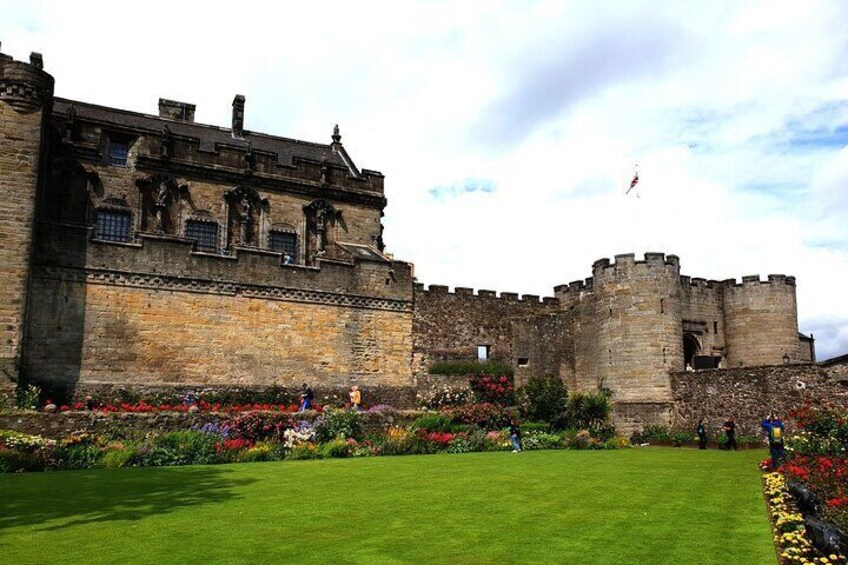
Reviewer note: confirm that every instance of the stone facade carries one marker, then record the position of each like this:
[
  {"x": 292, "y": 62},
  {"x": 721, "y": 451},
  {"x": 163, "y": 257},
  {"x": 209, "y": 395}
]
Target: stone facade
[{"x": 151, "y": 250}]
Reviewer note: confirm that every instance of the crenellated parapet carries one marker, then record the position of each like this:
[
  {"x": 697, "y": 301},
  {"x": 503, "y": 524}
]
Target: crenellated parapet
[
  {"x": 749, "y": 281},
  {"x": 26, "y": 87},
  {"x": 625, "y": 265},
  {"x": 438, "y": 290}
]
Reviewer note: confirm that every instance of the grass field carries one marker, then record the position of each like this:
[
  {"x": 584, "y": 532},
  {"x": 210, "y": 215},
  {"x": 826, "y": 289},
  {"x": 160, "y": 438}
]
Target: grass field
[{"x": 639, "y": 506}]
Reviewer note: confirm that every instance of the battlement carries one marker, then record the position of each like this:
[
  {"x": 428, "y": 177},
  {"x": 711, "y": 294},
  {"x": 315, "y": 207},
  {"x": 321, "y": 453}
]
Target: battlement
[
  {"x": 444, "y": 290},
  {"x": 754, "y": 280},
  {"x": 604, "y": 268},
  {"x": 575, "y": 287},
  {"x": 25, "y": 86},
  {"x": 698, "y": 282}
]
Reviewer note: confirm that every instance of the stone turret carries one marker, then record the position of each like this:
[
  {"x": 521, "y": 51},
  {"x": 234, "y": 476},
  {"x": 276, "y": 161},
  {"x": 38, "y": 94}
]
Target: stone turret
[
  {"x": 761, "y": 321},
  {"x": 26, "y": 97},
  {"x": 636, "y": 326}
]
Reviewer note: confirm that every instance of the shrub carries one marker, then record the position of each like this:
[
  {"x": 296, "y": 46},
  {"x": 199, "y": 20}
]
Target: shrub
[
  {"x": 494, "y": 389},
  {"x": 544, "y": 399},
  {"x": 460, "y": 444},
  {"x": 656, "y": 433},
  {"x": 496, "y": 441},
  {"x": 119, "y": 455},
  {"x": 337, "y": 448},
  {"x": 265, "y": 451},
  {"x": 530, "y": 427},
  {"x": 303, "y": 451},
  {"x": 433, "y": 422},
  {"x": 28, "y": 397},
  {"x": 617, "y": 443},
  {"x": 586, "y": 410},
  {"x": 581, "y": 440},
  {"x": 490, "y": 367},
  {"x": 681, "y": 438},
  {"x": 445, "y": 397},
  {"x": 338, "y": 424},
  {"x": 539, "y": 440},
  {"x": 14, "y": 461},
  {"x": 182, "y": 448},
  {"x": 76, "y": 456},
  {"x": 485, "y": 416},
  {"x": 258, "y": 427}
]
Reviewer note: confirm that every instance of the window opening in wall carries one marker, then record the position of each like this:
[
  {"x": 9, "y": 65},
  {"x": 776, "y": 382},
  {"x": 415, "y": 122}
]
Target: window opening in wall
[
  {"x": 664, "y": 355},
  {"x": 285, "y": 243},
  {"x": 523, "y": 361},
  {"x": 662, "y": 305},
  {"x": 610, "y": 311},
  {"x": 715, "y": 327},
  {"x": 483, "y": 352},
  {"x": 206, "y": 234},
  {"x": 117, "y": 151},
  {"x": 113, "y": 225}
]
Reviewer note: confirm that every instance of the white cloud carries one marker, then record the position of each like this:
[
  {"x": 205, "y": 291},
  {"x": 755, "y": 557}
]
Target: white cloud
[{"x": 738, "y": 116}]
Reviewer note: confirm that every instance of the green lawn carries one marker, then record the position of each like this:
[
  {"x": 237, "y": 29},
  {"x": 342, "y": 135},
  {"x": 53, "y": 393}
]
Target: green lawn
[{"x": 639, "y": 506}]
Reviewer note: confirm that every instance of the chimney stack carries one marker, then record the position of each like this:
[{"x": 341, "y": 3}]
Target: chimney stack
[
  {"x": 238, "y": 116},
  {"x": 174, "y": 110}
]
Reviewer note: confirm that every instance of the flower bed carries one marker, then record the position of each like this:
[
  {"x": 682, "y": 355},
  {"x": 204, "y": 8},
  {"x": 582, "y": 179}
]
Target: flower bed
[
  {"x": 790, "y": 539},
  {"x": 238, "y": 436}
]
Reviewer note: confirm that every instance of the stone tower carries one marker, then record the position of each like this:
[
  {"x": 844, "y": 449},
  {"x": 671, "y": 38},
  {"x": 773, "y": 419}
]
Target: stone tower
[
  {"x": 26, "y": 96},
  {"x": 761, "y": 321},
  {"x": 637, "y": 325}
]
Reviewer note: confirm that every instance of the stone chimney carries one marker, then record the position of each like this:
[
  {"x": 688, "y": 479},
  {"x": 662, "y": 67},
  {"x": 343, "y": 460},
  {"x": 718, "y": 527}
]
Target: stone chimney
[
  {"x": 174, "y": 110},
  {"x": 238, "y": 116}
]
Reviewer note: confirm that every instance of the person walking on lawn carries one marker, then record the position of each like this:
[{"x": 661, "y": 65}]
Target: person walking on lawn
[
  {"x": 702, "y": 434},
  {"x": 515, "y": 435},
  {"x": 730, "y": 431}
]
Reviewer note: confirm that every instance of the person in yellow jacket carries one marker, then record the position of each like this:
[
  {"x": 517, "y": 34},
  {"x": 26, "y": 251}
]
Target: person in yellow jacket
[{"x": 355, "y": 398}]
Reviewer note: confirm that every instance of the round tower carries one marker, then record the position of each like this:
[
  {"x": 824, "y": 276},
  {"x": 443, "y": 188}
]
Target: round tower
[
  {"x": 637, "y": 318},
  {"x": 26, "y": 96},
  {"x": 761, "y": 321}
]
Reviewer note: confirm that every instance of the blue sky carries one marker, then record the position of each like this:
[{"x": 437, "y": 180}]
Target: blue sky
[{"x": 508, "y": 130}]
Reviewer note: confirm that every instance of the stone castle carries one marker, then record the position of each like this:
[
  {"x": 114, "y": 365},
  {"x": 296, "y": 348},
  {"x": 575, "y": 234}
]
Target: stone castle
[{"x": 151, "y": 250}]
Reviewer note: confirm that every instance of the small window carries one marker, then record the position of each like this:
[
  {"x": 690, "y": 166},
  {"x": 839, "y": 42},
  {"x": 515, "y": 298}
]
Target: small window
[
  {"x": 483, "y": 352},
  {"x": 113, "y": 225},
  {"x": 523, "y": 361},
  {"x": 117, "y": 151},
  {"x": 715, "y": 327},
  {"x": 284, "y": 242},
  {"x": 206, "y": 234}
]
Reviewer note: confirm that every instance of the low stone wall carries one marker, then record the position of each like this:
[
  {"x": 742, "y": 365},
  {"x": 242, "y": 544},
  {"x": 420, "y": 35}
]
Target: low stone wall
[
  {"x": 629, "y": 417},
  {"x": 132, "y": 425},
  {"x": 749, "y": 394}
]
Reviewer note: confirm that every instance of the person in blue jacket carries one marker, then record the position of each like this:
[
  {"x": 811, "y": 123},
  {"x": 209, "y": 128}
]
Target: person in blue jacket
[{"x": 774, "y": 427}]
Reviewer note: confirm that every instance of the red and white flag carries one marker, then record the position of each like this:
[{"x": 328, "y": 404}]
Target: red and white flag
[{"x": 633, "y": 183}]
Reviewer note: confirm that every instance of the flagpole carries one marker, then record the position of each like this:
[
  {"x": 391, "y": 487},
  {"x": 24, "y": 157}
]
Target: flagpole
[{"x": 637, "y": 223}]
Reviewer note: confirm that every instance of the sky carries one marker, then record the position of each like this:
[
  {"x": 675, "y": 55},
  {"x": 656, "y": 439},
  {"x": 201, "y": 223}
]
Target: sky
[{"x": 509, "y": 131}]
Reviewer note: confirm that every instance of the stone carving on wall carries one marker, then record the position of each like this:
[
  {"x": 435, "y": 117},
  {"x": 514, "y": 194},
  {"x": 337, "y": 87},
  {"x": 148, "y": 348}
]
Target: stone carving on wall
[
  {"x": 245, "y": 212},
  {"x": 321, "y": 217},
  {"x": 161, "y": 203}
]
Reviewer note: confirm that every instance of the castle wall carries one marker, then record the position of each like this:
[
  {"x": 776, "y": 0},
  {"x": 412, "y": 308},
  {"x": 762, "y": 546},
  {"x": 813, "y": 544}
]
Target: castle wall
[
  {"x": 25, "y": 96},
  {"x": 750, "y": 393},
  {"x": 451, "y": 325},
  {"x": 156, "y": 313},
  {"x": 628, "y": 337},
  {"x": 761, "y": 320}
]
